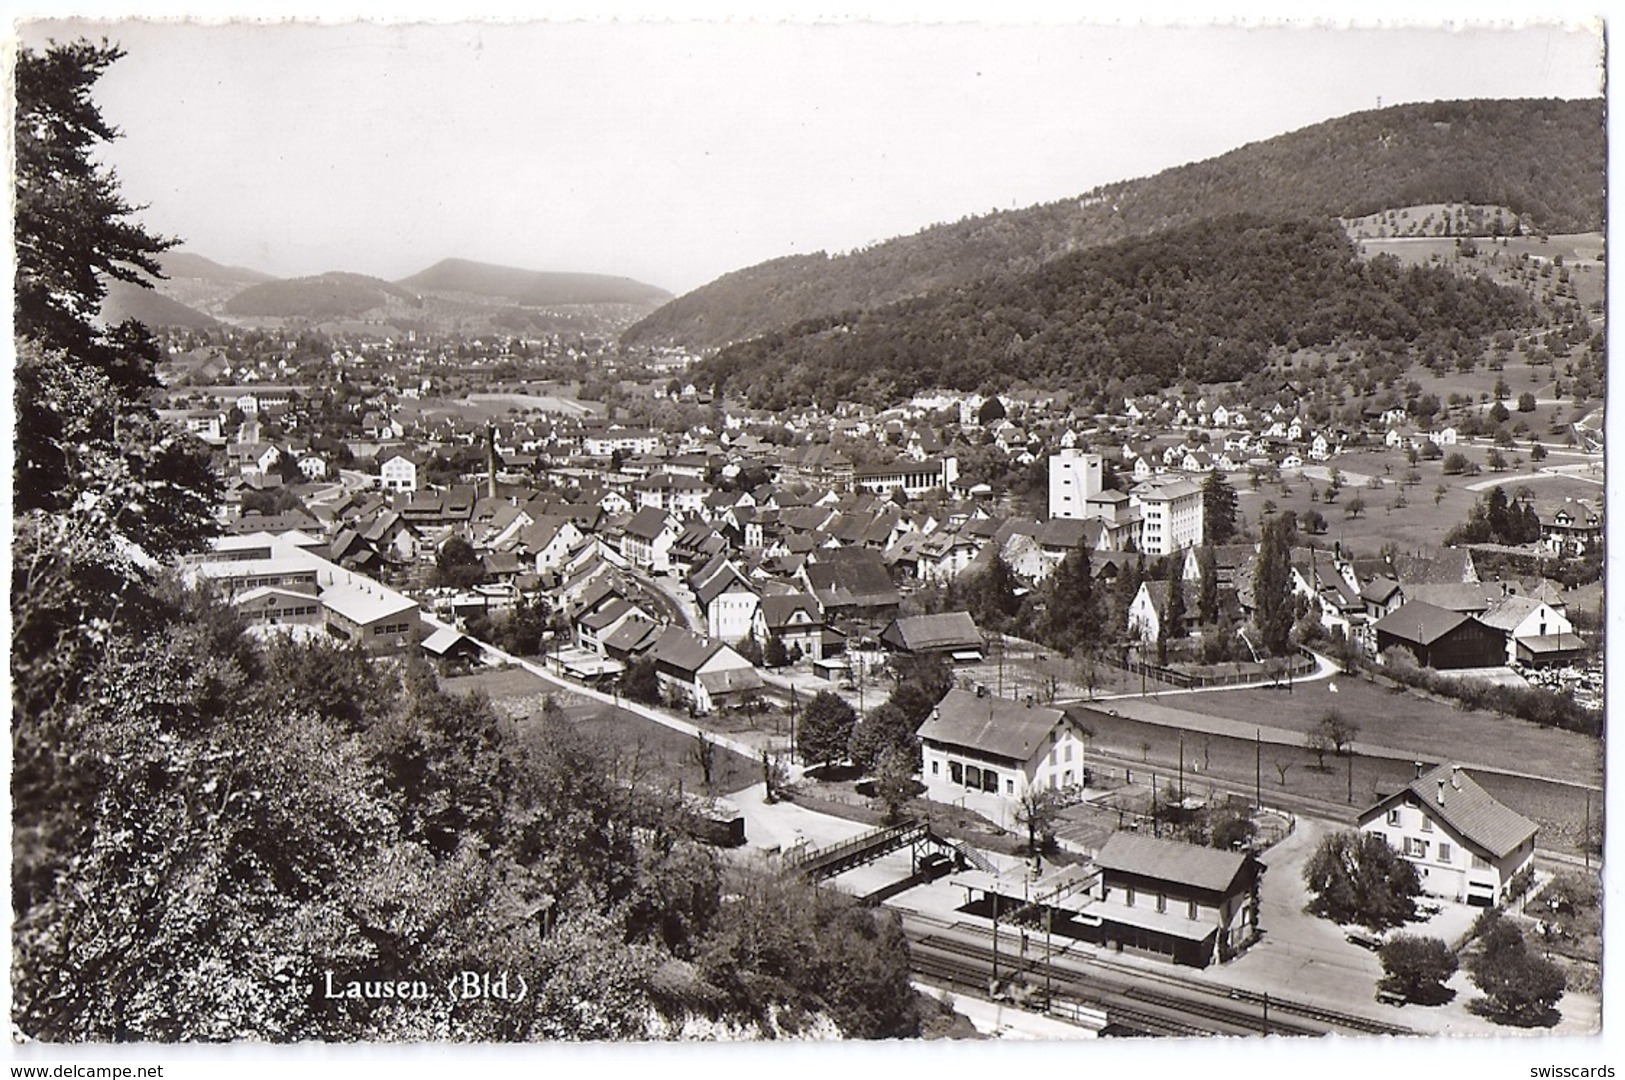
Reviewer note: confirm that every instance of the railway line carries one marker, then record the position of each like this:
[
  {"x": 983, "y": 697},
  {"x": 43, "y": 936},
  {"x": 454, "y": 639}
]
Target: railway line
[{"x": 1135, "y": 1002}]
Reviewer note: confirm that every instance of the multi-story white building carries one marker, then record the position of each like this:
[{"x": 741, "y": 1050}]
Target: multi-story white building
[
  {"x": 1170, "y": 515},
  {"x": 1074, "y": 477},
  {"x": 399, "y": 473}
]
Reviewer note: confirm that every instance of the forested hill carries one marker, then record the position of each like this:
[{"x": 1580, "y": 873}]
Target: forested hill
[
  {"x": 1544, "y": 159},
  {"x": 1206, "y": 301},
  {"x": 532, "y": 287}
]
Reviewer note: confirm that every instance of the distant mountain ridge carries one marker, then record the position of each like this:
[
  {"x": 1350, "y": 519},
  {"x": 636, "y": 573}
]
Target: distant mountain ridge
[
  {"x": 189, "y": 264},
  {"x": 531, "y": 287},
  {"x": 1544, "y": 159},
  {"x": 333, "y": 295}
]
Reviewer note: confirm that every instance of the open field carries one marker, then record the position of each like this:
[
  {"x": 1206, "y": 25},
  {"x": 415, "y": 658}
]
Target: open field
[
  {"x": 1413, "y": 723},
  {"x": 1286, "y": 770},
  {"x": 653, "y": 750},
  {"x": 1426, "y": 516}
]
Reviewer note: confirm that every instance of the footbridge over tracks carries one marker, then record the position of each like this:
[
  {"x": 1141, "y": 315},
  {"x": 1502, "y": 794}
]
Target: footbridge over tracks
[{"x": 930, "y": 856}]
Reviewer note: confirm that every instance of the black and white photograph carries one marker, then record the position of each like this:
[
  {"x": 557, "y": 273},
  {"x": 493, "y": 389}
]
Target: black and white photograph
[{"x": 986, "y": 533}]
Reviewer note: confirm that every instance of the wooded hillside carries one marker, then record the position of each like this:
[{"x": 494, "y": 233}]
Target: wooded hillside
[
  {"x": 1206, "y": 302},
  {"x": 1543, "y": 159}
]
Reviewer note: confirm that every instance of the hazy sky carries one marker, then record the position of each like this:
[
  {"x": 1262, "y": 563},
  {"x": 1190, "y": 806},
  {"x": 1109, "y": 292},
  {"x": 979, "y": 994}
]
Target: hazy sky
[{"x": 675, "y": 152}]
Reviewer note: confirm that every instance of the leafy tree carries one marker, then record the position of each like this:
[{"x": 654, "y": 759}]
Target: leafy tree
[
  {"x": 1526, "y": 402},
  {"x": 641, "y": 682},
  {"x": 750, "y": 649},
  {"x": 1338, "y": 731},
  {"x": 1519, "y": 987},
  {"x": 886, "y": 728},
  {"x": 826, "y": 729},
  {"x": 1417, "y": 968},
  {"x": 1356, "y": 877},
  {"x": 1496, "y": 461},
  {"x": 991, "y": 593},
  {"x": 1272, "y": 587},
  {"x": 458, "y": 565},
  {"x": 1037, "y": 812},
  {"x": 1218, "y": 509},
  {"x": 1455, "y": 463},
  {"x": 894, "y": 781},
  {"x": 1231, "y": 828},
  {"x": 774, "y": 654},
  {"x": 1313, "y": 521},
  {"x": 1354, "y": 507}
]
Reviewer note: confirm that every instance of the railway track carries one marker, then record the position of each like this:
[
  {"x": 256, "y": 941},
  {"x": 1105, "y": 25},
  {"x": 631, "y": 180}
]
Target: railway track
[{"x": 1136, "y": 1002}]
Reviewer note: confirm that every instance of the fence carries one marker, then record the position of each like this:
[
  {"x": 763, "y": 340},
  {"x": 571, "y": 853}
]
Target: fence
[{"x": 1302, "y": 664}]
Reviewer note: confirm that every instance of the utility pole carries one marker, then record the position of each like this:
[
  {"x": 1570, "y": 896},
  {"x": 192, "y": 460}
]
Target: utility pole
[
  {"x": 1351, "y": 776},
  {"x": 1258, "y": 769},
  {"x": 1182, "y": 768}
]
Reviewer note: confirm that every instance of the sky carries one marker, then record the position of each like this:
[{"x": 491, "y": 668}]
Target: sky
[{"x": 674, "y": 152}]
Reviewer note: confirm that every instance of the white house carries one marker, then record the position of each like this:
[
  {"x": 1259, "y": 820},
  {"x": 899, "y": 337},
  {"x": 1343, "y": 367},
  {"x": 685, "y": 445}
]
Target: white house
[
  {"x": 1465, "y": 845},
  {"x": 989, "y": 751},
  {"x": 1522, "y": 618}
]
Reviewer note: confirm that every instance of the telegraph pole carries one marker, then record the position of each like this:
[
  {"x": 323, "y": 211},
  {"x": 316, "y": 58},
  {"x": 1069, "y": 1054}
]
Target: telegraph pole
[{"x": 1258, "y": 769}]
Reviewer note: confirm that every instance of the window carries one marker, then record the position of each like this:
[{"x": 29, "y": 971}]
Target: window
[
  {"x": 956, "y": 772},
  {"x": 1009, "y": 787},
  {"x": 1190, "y": 910},
  {"x": 1128, "y": 895},
  {"x": 1162, "y": 903},
  {"x": 936, "y": 768},
  {"x": 1444, "y": 852},
  {"x": 973, "y": 776},
  {"x": 1068, "y": 755},
  {"x": 1393, "y": 817},
  {"x": 1427, "y": 823},
  {"x": 1416, "y": 849},
  {"x": 1480, "y": 863},
  {"x": 990, "y": 781}
]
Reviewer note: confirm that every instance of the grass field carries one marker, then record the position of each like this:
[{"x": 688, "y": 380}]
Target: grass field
[
  {"x": 1431, "y": 729},
  {"x": 638, "y": 745},
  {"x": 1422, "y": 522},
  {"x": 1290, "y": 771}
]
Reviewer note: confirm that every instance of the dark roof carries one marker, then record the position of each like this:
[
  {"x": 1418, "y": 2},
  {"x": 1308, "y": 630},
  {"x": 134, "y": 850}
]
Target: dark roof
[
  {"x": 1471, "y": 811},
  {"x": 684, "y": 650},
  {"x": 648, "y": 523},
  {"x": 1171, "y": 860},
  {"x": 1420, "y": 622},
  {"x": 993, "y": 725},
  {"x": 723, "y": 580},
  {"x": 852, "y": 577},
  {"x": 778, "y": 608},
  {"x": 926, "y": 633}
]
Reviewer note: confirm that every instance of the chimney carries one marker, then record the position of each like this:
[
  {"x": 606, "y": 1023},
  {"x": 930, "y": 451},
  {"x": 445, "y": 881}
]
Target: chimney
[
  {"x": 1441, "y": 792},
  {"x": 1418, "y": 765},
  {"x": 1455, "y": 777}
]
